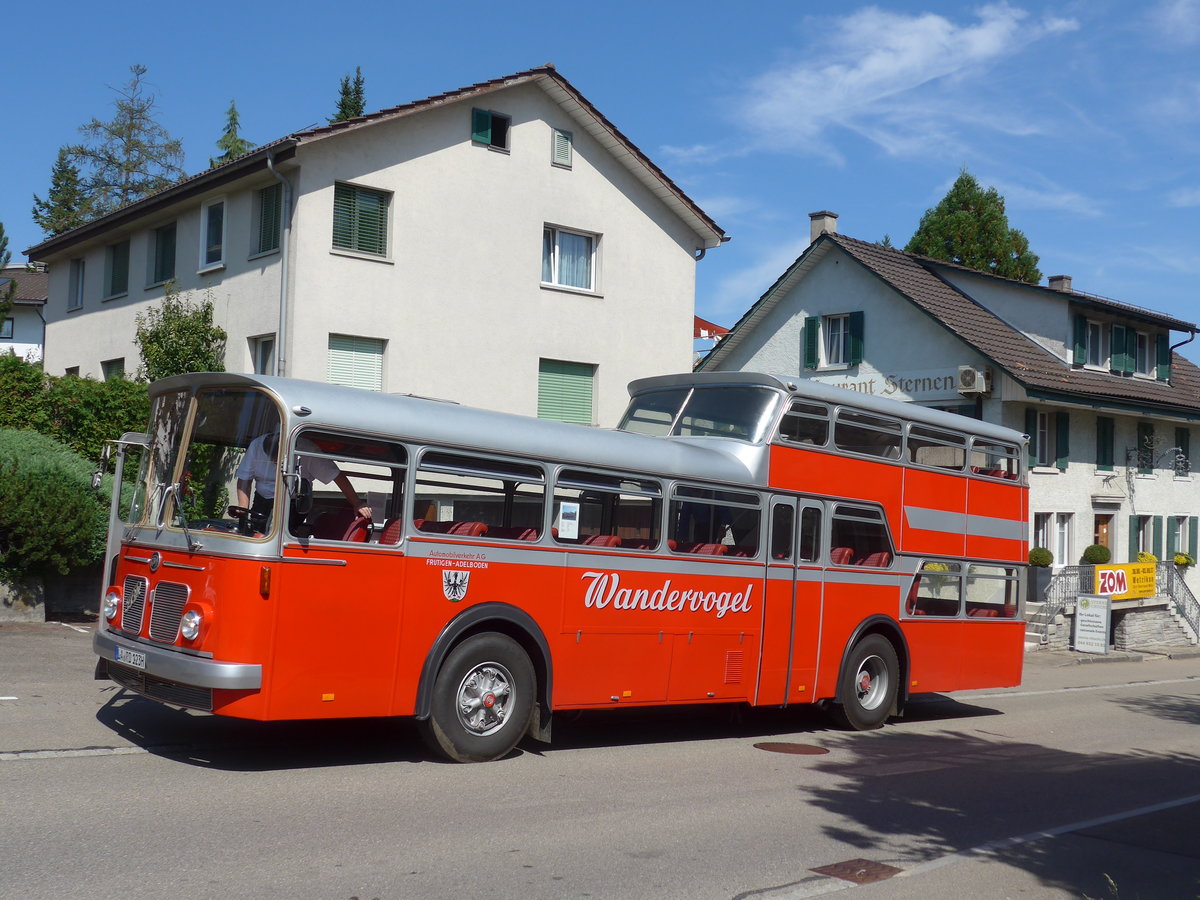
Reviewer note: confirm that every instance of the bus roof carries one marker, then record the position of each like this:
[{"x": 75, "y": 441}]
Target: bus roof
[
  {"x": 807, "y": 389},
  {"x": 424, "y": 420}
]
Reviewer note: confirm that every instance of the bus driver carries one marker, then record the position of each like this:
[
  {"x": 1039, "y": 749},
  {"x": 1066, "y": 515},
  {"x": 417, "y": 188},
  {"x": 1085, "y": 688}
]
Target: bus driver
[{"x": 258, "y": 468}]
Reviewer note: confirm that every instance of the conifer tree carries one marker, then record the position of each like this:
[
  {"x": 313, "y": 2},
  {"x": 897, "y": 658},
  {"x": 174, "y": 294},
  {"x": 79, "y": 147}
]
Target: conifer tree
[
  {"x": 969, "y": 227},
  {"x": 231, "y": 143},
  {"x": 131, "y": 155},
  {"x": 352, "y": 98},
  {"x": 68, "y": 204},
  {"x": 7, "y": 291}
]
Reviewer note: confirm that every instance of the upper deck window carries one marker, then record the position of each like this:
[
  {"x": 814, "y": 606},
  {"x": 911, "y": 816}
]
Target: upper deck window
[
  {"x": 735, "y": 411},
  {"x": 805, "y": 423},
  {"x": 859, "y": 432},
  {"x": 936, "y": 448}
]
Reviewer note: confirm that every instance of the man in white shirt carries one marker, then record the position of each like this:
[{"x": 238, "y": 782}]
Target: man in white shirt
[{"x": 258, "y": 469}]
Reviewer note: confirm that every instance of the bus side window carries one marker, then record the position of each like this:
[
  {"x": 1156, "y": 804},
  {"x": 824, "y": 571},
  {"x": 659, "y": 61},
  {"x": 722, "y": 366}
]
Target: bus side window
[
  {"x": 476, "y": 496},
  {"x": 936, "y": 591},
  {"x": 863, "y": 532},
  {"x": 714, "y": 523},
  {"x": 602, "y": 510},
  {"x": 810, "y": 534},
  {"x": 783, "y": 520},
  {"x": 372, "y": 469},
  {"x": 859, "y": 432},
  {"x": 805, "y": 423},
  {"x": 936, "y": 448}
]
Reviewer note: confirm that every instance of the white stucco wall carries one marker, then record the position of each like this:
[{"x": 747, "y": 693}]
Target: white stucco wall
[{"x": 26, "y": 340}]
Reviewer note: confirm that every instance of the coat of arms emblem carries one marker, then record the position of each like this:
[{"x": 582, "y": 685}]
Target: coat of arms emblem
[{"x": 454, "y": 584}]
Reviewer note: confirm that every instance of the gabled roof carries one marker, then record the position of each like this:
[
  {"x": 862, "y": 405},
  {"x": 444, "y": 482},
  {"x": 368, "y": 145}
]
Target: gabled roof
[
  {"x": 546, "y": 77},
  {"x": 1030, "y": 364},
  {"x": 33, "y": 288}
]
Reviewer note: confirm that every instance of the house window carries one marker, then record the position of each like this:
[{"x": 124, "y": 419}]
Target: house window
[
  {"x": 356, "y": 361},
  {"x": 1104, "y": 443},
  {"x": 212, "y": 234},
  {"x": 268, "y": 217},
  {"x": 162, "y": 254},
  {"x": 833, "y": 341},
  {"x": 113, "y": 368},
  {"x": 360, "y": 219},
  {"x": 75, "y": 286},
  {"x": 561, "y": 145},
  {"x": 566, "y": 391},
  {"x": 490, "y": 128},
  {"x": 262, "y": 353},
  {"x": 1042, "y": 534},
  {"x": 1145, "y": 536},
  {"x": 1049, "y": 438},
  {"x": 1097, "y": 345},
  {"x": 116, "y": 269},
  {"x": 1063, "y": 526},
  {"x": 6, "y": 329},
  {"x": 71, "y": 371},
  {"x": 1177, "y": 536},
  {"x": 1142, "y": 355},
  {"x": 568, "y": 258}
]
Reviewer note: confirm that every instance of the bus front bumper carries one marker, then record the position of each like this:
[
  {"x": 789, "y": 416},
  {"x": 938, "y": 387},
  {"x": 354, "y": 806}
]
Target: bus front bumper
[{"x": 171, "y": 665}]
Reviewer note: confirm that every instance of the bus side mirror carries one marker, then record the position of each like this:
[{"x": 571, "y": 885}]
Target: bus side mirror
[
  {"x": 98, "y": 475},
  {"x": 302, "y": 495}
]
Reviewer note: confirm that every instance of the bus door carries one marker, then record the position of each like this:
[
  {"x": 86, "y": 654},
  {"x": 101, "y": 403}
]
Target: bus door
[{"x": 807, "y": 610}]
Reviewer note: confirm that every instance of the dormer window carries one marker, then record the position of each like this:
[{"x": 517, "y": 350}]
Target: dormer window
[{"x": 1097, "y": 345}]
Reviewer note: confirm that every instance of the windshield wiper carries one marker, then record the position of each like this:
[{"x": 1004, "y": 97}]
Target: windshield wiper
[{"x": 176, "y": 490}]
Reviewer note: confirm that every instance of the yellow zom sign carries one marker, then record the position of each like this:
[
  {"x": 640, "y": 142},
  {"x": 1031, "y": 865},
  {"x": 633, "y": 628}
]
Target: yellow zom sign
[{"x": 1126, "y": 581}]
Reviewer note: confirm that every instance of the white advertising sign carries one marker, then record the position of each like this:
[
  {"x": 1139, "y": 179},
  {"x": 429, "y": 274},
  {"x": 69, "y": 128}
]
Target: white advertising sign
[
  {"x": 1092, "y": 622},
  {"x": 926, "y": 384}
]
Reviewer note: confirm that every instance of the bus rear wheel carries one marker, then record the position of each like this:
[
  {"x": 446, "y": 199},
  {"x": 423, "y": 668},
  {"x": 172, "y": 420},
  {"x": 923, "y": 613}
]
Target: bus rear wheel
[
  {"x": 482, "y": 700},
  {"x": 870, "y": 682}
]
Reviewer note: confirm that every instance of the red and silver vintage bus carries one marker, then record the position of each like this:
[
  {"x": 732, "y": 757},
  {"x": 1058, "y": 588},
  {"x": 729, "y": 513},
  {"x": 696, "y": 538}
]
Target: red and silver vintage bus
[{"x": 739, "y": 538}]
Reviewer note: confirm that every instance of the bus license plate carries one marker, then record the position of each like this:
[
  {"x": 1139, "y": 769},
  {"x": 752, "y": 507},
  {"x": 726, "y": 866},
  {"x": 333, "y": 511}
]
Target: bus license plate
[{"x": 135, "y": 658}]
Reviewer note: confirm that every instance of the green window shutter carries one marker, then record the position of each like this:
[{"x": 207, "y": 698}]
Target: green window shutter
[
  {"x": 565, "y": 391},
  {"x": 1104, "y": 443},
  {"x": 356, "y": 362},
  {"x": 481, "y": 126},
  {"x": 270, "y": 217},
  {"x": 1031, "y": 429},
  {"x": 812, "y": 339},
  {"x": 1163, "y": 355},
  {"x": 1118, "y": 362},
  {"x": 560, "y": 150},
  {"x": 1133, "y": 538},
  {"x": 1080, "y": 355},
  {"x": 164, "y": 253},
  {"x": 1145, "y": 448},
  {"x": 1062, "y": 440},
  {"x": 1131, "y": 342},
  {"x": 1193, "y": 521},
  {"x": 360, "y": 219},
  {"x": 1158, "y": 537},
  {"x": 857, "y": 322},
  {"x": 119, "y": 275}
]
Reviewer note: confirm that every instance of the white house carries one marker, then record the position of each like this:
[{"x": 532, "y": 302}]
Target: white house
[
  {"x": 1111, "y": 409},
  {"x": 502, "y": 245},
  {"x": 22, "y": 328}
]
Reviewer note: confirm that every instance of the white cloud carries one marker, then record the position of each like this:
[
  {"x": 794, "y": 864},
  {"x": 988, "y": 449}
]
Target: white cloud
[
  {"x": 900, "y": 80},
  {"x": 1177, "y": 21},
  {"x": 1045, "y": 196}
]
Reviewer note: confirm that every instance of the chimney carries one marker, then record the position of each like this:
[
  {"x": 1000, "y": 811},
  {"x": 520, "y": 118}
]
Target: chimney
[
  {"x": 1060, "y": 283},
  {"x": 823, "y": 222}
]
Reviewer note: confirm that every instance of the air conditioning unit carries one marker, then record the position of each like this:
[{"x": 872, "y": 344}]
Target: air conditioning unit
[{"x": 972, "y": 380}]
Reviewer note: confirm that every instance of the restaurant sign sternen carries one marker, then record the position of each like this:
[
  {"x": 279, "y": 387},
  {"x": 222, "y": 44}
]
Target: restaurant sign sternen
[{"x": 917, "y": 384}]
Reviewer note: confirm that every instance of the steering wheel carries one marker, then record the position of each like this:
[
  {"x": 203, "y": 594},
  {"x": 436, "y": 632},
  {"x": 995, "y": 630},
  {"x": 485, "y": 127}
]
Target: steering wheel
[{"x": 238, "y": 512}]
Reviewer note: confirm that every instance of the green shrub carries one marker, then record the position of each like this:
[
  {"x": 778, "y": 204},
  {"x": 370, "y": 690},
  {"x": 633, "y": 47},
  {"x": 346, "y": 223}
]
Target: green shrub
[
  {"x": 1096, "y": 555},
  {"x": 1040, "y": 557},
  {"x": 50, "y": 518}
]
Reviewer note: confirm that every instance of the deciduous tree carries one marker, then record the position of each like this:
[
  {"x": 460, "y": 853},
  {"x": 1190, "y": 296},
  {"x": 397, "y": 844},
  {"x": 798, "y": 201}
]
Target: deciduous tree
[
  {"x": 969, "y": 227},
  {"x": 179, "y": 336},
  {"x": 131, "y": 155}
]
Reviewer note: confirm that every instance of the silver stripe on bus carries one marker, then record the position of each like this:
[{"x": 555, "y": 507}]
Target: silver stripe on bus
[{"x": 960, "y": 523}]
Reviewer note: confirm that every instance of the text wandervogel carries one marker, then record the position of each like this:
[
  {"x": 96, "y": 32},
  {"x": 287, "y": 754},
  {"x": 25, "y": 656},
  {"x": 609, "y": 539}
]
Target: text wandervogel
[{"x": 605, "y": 589}]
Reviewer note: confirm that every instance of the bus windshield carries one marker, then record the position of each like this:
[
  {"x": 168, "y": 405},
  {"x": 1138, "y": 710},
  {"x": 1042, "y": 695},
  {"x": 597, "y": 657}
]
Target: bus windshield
[
  {"x": 731, "y": 411},
  {"x": 199, "y": 469}
]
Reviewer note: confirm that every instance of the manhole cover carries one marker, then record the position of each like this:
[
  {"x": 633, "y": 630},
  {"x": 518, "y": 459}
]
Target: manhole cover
[
  {"x": 860, "y": 871},
  {"x": 795, "y": 749}
]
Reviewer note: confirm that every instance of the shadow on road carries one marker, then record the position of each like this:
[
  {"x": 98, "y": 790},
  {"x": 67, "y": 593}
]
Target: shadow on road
[{"x": 239, "y": 745}]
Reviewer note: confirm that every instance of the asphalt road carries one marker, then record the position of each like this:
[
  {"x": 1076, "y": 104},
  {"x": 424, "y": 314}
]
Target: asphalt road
[{"x": 1083, "y": 772}]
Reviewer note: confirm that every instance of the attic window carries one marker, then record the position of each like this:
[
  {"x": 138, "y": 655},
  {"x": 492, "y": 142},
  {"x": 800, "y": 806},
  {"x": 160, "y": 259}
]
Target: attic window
[{"x": 490, "y": 128}]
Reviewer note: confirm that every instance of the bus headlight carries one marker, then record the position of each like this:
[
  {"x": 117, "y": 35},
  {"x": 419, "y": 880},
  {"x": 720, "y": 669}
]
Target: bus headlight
[
  {"x": 189, "y": 625},
  {"x": 111, "y": 604}
]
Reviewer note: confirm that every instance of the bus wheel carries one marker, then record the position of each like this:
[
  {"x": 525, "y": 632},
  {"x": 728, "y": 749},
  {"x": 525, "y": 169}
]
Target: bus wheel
[
  {"x": 870, "y": 681},
  {"x": 482, "y": 700}
]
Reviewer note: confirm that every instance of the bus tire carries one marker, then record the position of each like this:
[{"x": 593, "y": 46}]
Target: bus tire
[
  {"x": 482, "y": 700},
  {"x": 869, "y": 686}
]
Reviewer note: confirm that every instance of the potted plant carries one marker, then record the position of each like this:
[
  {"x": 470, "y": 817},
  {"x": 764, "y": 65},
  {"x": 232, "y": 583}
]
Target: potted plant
[
  {"x": 1096, "y": 555},
  {"x": 1184, "y": 560},
  {"x": 1144, "y": 557},
  {"x": 1040, "y": 560}
]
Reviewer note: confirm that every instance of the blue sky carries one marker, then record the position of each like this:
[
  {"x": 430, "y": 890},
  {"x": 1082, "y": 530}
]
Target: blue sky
[{"x": 1084, "y": 115}]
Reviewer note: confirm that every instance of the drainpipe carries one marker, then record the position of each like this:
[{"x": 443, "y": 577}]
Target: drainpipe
[{"x": 285, "y": 235}]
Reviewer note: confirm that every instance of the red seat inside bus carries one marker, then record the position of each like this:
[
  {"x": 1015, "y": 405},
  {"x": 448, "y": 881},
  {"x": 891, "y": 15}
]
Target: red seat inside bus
[
  {"x": 704, "y": 549},
  {"x": 342, "y": 525},
  {"x": 603, "y": 540},
  {"x": 470, "y": 529},
  {"x": 841, "y": 556},
  {"x": 513, "y": 533},
  {"x": 638, "y": 544},
  {"x": 880, "y": 560}
]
